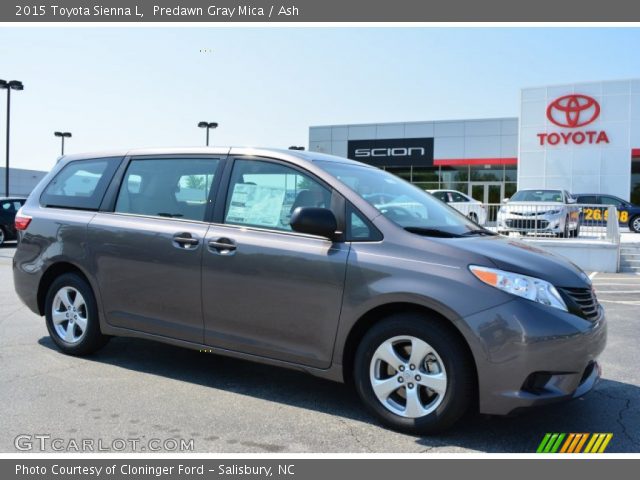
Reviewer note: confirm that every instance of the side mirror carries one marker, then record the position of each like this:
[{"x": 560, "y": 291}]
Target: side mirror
[
  {"x": 505, "y": 199},
  {"x": 571, "y": 200},
  {"x": 314, "y": 221}
]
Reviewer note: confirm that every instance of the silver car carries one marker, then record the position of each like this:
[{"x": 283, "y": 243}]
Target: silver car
[
  {"x": 312, "y": 262},
  {"x": 540, "y": 211}
]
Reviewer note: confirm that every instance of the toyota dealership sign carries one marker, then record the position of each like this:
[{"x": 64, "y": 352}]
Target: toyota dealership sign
[{"x": 573, "y": 112}]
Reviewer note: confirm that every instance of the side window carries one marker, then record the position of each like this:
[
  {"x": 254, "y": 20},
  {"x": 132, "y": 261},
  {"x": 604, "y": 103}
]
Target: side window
[
  {"x": 456, "y": 197},
  {"x": 587, "y": 199},
  {"x": 610, "y": 201},
  {"x": 171, "y": 188},
  {"x": 264, "y": 194},
  {"x": 442, "y": 196},
  {"x": 359, "y": 229},
  {"x": 80, "y": 184}
]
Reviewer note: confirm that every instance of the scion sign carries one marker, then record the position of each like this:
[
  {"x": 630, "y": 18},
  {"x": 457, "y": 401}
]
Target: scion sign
[{"x": 393, "y": 152}]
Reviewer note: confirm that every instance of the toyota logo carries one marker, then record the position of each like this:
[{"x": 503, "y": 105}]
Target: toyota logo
[{"x": 573, "y": 111}]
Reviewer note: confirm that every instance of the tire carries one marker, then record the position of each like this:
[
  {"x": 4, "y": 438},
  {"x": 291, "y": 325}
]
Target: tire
[
  {"x": 433, "y": 411},
  {"x": 3, "y": 236},
  {"x": 634, "y": 224},
  {"x": 65, "y": 325},
  {"x": 576, "y": 232},
  {"x": 566, "y": 232}
]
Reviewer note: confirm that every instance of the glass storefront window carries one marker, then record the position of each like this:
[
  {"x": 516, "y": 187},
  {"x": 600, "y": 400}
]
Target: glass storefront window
[
  {"x": 426, "y": 174},
  {"x": 510, "y": 173},
  {"x": 509, "y": 189},
  {"x": 402, "y": 172},
  {"x": 635, "y": 181},
  {"x": 487, "y": 173}
]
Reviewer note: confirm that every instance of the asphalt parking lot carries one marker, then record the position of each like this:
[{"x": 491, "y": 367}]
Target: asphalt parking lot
[{"x": 136, "y": 389}]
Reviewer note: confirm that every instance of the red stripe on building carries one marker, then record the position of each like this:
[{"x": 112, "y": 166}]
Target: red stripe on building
[
  {"x": 475, "y": 161},
  {"x": 635, "y": 152}
]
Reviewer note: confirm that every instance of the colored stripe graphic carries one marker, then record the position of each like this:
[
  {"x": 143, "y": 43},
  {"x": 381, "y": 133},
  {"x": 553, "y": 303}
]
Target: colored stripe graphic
[{"x": 573, "y": 442}]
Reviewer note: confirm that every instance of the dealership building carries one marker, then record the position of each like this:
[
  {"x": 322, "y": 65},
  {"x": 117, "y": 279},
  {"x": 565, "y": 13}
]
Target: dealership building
[
  {"x": 21, "y": 181},
  {"x": 581, "y": 137}
]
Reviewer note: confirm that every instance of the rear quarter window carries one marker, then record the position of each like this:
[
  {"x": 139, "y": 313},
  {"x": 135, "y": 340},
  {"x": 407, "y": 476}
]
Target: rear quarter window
[{"x": 81, "y": 184}]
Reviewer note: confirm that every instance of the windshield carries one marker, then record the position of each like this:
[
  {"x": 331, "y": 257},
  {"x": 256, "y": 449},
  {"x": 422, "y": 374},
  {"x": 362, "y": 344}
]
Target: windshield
[
  {"x": 401, "y": 202},
  {"x": 537, "y": 196}
]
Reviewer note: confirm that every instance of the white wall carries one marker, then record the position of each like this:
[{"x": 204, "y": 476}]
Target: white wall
[
  {"x": 482, "y": 138},
  {"x": 21, "y": 182},
  {"x": 584, "y": 168}
]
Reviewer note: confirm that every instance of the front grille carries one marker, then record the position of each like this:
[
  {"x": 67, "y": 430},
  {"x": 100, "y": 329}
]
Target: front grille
[
  {"x": 581, "y": 301},
  {"x": 528, "y": 224}
]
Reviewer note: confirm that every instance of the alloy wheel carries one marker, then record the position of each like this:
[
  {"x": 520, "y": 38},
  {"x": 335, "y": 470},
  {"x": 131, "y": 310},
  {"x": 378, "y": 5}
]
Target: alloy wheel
[
  {"x": 69, "y": 314},
  {"x": 408, "y": 376}
]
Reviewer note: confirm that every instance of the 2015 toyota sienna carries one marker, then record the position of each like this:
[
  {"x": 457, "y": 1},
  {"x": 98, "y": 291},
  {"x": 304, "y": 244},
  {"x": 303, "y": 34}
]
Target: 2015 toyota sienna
[{"x": 308, "y": 261}]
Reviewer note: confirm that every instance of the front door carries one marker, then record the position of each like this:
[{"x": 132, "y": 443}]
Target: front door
[
  {"x": 267, "y": 290},
  {"x": 148, "y": 252}
]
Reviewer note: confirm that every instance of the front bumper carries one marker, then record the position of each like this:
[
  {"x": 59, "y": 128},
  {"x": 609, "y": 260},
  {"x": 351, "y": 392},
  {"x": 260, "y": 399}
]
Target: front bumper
[
  {"x": 526, "y": 224},
  {"x": 528, "y": 354}
]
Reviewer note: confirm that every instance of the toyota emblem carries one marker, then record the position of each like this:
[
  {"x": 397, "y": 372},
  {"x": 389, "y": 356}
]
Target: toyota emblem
[{"x": 573, "y": 111}]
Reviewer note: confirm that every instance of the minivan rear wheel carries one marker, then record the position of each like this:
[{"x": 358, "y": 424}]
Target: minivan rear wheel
[
  {"x": 72, "y": 316},
  {"x": 414, "y": 374}
]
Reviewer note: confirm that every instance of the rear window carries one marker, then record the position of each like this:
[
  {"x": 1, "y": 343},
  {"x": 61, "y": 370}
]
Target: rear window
[{"x": 80, "y": 184}]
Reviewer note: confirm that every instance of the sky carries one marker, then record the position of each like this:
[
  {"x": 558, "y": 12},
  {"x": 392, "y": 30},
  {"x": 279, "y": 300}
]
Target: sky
[{"x": 149, "y": 87}]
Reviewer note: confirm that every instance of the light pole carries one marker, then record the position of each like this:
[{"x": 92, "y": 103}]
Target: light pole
[
  {"x": 8, "y": 86},
  {"x": 62, "y": 136},
  {"x": 208, "y": 125}
]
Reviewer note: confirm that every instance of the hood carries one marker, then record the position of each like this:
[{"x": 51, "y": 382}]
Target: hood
[
  {"x": 532, "y": 205},
  {"x": 520, "y": 257}
]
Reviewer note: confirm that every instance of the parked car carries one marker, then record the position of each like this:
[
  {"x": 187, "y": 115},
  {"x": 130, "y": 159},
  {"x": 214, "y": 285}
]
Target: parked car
[
  {"x": 628, "y": 213},
  {"x": 466, "y": 205},
  {"x": 540, "y": 211},
  {"x": 280, "y": 259},
  {"x": 9, "y": 206}
]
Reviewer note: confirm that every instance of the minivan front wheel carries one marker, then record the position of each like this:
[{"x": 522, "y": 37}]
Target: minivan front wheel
[
  {"x": 72, "y": 316},
  {"x": 414, "y": 374}
]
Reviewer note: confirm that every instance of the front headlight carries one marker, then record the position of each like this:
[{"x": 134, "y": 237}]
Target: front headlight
[
  {"x": 531, "y": 288},
  {"x": 552, "y": 212}
]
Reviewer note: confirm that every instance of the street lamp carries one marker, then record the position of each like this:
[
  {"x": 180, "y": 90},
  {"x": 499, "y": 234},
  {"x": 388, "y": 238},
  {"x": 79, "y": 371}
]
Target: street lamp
[
  {"x": 8, "y": 86},
  {"x": 62, "y": 136},
  {"x": 208, "y": 125},
  {"x": 294, "y": 147}
]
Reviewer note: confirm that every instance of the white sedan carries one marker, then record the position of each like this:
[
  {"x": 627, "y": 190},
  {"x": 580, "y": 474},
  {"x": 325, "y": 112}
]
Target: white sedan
[{"x": 466, "y": 205}]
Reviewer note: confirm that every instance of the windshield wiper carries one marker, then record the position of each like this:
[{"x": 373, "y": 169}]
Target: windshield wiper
[
  {"x": 480, "y": 231},
  {"x": 431, "y": 232}
]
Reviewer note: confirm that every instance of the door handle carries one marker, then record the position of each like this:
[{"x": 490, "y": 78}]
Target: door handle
[
  {"x": 223, "y": 246},
  {"x": 185, "y": 240}
]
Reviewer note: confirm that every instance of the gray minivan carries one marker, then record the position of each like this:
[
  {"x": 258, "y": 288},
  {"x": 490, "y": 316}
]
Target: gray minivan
[{"x": 307, "y": 261}]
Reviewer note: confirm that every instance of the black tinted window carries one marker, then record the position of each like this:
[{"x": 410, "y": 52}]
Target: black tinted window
[
  {"x": 441, "y": 196},
  {"x": 587, "y": 199},
  {"x": 456, "y": 197},
  {"x": 610, "y": 201},
  {"x": 80, "y": 184},
  {"x": 171, "y": 188}
]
